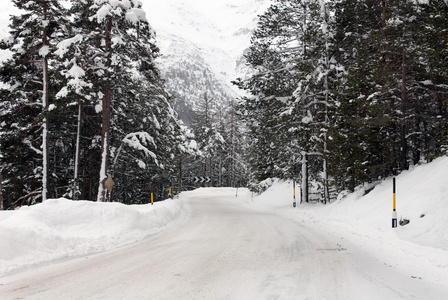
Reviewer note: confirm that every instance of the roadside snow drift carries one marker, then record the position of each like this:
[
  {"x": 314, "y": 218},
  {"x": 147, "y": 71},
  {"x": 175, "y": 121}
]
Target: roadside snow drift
[{"x": 61, "y": 228}]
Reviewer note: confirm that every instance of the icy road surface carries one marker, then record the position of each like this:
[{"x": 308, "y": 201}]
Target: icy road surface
[{"x": 224, "y": 249}]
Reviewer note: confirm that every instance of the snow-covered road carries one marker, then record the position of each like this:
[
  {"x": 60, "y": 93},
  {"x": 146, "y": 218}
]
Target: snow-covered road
[{"x": 224, "y": 249}]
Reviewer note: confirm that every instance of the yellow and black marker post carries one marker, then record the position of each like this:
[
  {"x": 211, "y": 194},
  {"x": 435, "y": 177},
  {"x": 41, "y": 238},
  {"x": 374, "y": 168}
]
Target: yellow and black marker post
[
  {"x": 151, "y": 190},
  {"x": 169, "y": 191},
  {"x": 294, "y": 192},
  {"x": 394, "y": 212}
]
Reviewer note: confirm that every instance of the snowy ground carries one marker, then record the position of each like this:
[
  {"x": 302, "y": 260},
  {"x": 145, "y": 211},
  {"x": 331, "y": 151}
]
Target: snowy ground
[
  {"x": 419, "y": 249},
  {"x": 224, "y": 244}
]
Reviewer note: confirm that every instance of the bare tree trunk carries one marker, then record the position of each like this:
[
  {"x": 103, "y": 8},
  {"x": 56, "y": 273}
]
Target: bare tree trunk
[
  {"x": 103, "y": 169},
  {"x": 327, "y": 123},
  {"x": 404, "y": 96},
  {"x": 107, "y": 99},
  {"x": 78, "y": 139},
  {"x": 304, "y": 188},
  {"x": 211, "y": 181},
  {"x": 45, "y": 135},
  {"x": 325, "y": 175},
  {"x": 180, "y": 173},
  {"x": 1, "y": 194},
  {"x": 233, "y": 146},
  {"x": 45, "y": 83}
]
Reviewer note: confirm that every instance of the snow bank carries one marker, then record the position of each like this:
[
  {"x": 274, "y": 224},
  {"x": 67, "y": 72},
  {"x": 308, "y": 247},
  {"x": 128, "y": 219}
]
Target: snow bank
[
  {"x": 61, "y": 228},
  {"x": 419, "y": 248}
]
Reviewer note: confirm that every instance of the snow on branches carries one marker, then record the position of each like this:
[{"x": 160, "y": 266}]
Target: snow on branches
[
  {"x": 140, "y": 142},
  {"x": 132, "y": 8}
]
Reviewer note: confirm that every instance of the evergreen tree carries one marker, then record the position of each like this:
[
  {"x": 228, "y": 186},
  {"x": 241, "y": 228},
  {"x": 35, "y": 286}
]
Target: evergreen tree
[
  {"x": 292, "y": 54},
  {"x": 103, "y": 79},
  {"x": 350, "y": 89},
  {"x": 383, "y": 115},
  {"x": 359, "y": 53},
  {"x": 26, "y": 106},
  {"x": 432, "y": 37},
  {"x": 112, "y": 41}
]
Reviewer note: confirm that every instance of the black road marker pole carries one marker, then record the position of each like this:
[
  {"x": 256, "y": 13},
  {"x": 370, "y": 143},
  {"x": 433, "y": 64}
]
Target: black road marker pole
[
  {"x": 394, "y": 212},
  {"x": 294, "y": 192}
]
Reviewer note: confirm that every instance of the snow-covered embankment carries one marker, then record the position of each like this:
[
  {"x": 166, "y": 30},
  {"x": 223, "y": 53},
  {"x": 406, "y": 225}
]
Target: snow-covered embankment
[{"x": 61, "y": 228}]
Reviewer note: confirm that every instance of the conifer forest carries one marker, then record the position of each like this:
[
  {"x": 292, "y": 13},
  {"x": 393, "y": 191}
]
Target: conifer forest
[{"x": 339, "y": 93}]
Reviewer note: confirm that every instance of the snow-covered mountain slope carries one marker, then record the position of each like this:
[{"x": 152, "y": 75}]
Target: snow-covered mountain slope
[{"x": 202, "y": 43}]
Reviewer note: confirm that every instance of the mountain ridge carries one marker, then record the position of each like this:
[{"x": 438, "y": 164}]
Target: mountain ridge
[{"x": 202, "y": 37}]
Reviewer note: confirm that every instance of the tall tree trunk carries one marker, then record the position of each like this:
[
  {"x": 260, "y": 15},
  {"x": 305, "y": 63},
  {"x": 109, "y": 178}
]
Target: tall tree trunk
[
  {"x": 77, "y": 150},
  {"x": 325, "y": 175},
  {"x": 305, "y": 194},
  {"x": 45, "y": 134},
  {"x": 45, "y": 83},
  {"x": 1, "y": 194},
  {"x": 180, "y": 172},
  {"x": 404, "y": 96},
  {"x": 327, "y": 124},
  {"x": 107, "y": 99},
  {"x": 211, "y": 181}
]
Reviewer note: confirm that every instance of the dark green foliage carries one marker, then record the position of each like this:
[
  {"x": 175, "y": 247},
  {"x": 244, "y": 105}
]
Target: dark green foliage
[
  {"x": 365, "y": 87},
  {"x": 25, "y": 99},
  {"x": 386, "y": 93},
  {"x": 145, "y": 134}
]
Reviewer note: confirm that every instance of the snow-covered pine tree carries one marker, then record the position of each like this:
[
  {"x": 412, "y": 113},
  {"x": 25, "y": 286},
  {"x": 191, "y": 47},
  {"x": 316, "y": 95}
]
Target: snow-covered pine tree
[
  {"x": 314, "y": 96},
  {"x": 112, "y": 40},
  {"x": 146, "y": 138},
  {"x": 186, "y": 157},
  {"x": 292, "y": 54},
  {"x": 398, "y": 50},
  {"x": 80, "y": 90},
  {"x": 26, "y": 103},
  {"x": 349, "y": 147},
  {"x": 384, "y": 114},
  {"x": 271, "y": 85},
  {"x": 432, "y": 40},
  {"x": 424, "y": 68}
]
